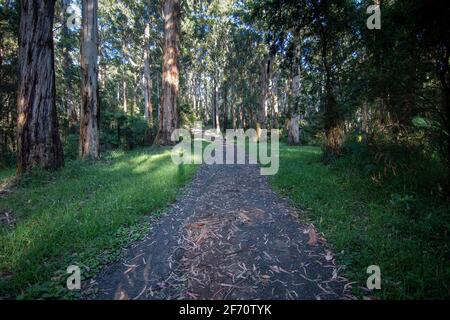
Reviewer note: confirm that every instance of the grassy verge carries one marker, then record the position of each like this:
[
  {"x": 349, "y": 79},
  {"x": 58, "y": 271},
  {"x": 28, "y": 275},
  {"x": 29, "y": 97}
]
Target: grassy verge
[
  {"x": 6, "y": 173},
  {"x": 81, "y": 215},
  {"x": 403, "y": 231}
]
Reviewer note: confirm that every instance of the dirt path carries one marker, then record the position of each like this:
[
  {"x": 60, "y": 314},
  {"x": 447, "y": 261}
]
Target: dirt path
[{"x": 229, "y": 236}]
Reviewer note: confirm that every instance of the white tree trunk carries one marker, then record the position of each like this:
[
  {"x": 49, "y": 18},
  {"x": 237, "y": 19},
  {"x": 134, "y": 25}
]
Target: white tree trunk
[
  {"x": 293, "y": 130},
  {"x": 148, "y": 107},
  {"x": 266, "y": 74},
  {"x": 89, "y": 139},
  {"x": 125, "y": 97}
]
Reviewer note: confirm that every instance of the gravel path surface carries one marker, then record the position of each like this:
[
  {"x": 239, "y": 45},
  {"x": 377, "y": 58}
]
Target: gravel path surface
[{"x": 229, "y": 236}]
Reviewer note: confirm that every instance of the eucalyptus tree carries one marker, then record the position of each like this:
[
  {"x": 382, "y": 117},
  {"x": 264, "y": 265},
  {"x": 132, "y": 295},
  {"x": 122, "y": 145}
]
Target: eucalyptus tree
[
  {"x": 90, "y": 108},
  {"x": 168, "y": 121},
  {"x": 38, "y": 141}
]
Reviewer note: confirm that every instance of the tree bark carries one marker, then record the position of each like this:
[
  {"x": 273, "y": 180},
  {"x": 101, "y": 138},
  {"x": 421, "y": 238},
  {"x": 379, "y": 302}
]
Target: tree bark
[
  {"x": 294, "y": 104},
  {"x": 205, "y": 110},
  {"x": 125, "y": 96},
  {"x": 266, "y": 71},
  {"x": 134, "y": 106},
  {"x": 293, "y": 130},
  {"x": 225, "y": 108},
  {"x": 215, "y": 106},
  {"x": 89, "y": 140},
  {"x": 170, "y": 76},
  {"x": 365, "y": 121},
  {"x": 38, "y": 140},
  {"x": 217, "y": 109},
  {"x": 234, "y": 114},
  {"x": 148, "y": 113}
]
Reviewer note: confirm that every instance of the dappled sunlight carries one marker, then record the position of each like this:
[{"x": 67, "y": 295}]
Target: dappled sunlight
[
  {"x": 154, "y": 164},
  {"x": 303, "y": 150}
]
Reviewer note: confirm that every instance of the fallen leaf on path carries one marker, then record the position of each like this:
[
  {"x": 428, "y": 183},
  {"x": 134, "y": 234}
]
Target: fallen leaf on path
[
  {"x": 329, "y": 256},
  {"x": 202, "y": 236},
  {"x": 197, "y": 225},
  {"x": 275, "y": 269},
  {"x": 244, "y": 217},
  {"x": 192, "y": 295},
  {"x": 231, "y": 286},
  {"x": 335, "y": 274},
  {"x": 128, "y": 270},
  {"x": 312, "y": 236}
]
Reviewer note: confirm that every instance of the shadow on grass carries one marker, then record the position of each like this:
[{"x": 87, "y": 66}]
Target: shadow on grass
[{"x": 394, "y": 224}]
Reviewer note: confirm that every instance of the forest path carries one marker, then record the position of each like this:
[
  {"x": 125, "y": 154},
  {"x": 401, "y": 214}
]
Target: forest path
[{"x": 228, "y": 236}]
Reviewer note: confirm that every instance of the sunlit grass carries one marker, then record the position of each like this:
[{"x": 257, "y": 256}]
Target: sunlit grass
[{"x": 6, "y": 175}]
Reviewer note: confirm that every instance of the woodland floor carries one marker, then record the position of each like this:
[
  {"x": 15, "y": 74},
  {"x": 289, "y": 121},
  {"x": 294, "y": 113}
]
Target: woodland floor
[{"x": 229, "y": 236}]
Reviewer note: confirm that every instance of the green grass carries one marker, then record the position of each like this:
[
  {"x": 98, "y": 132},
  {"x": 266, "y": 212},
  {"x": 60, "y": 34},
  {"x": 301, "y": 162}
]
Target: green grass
[
  {"x": 5, "y": 174},
  {"x": 84, "y": 215},
  {"x": 404, "y": 231}
]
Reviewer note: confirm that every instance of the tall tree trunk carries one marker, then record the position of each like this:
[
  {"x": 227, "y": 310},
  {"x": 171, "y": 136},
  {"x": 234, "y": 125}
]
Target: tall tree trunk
[
  {"x": 241, "y": 109},
  {"x": 294, "y": 105},
  {"x": 148, "y": 112},
  {"x": 170, "y": 76},
  {"x": 293, "y": 130},
  {"x": 234, "y": 111},
  {"x": 38, "y": 141},
  {"x": 275, "y": 104},
  {"x": 217, "y": 109},
  {"x": 206, "y": 114},
  {"x": 125, "y": 96},
  {"x": 135, "y": 95},
  {"x": 225, "y": 108},
  {"x": 266, "y": 70},
  {"x": 215, "y": 106},
  {"x": 89, "y": 140},
  {"x": 365, "y": 121},
  {"x": 118, "y": 94}
]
